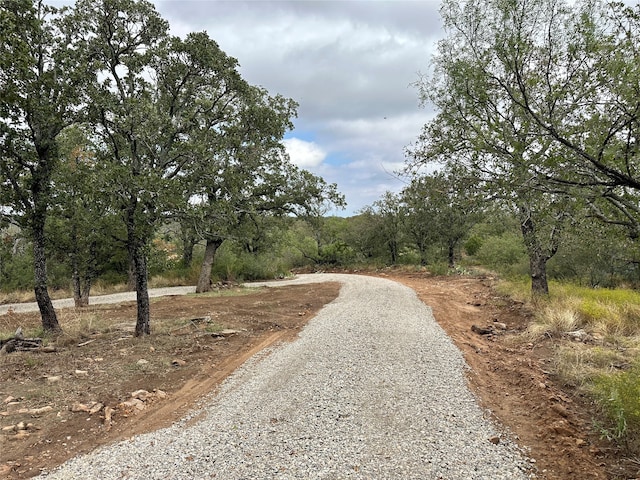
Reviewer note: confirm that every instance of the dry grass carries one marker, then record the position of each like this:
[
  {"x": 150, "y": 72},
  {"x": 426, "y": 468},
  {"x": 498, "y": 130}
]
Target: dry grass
[
  {"x": 604, "y": 359},
  {"x": 554, "y": 321}
]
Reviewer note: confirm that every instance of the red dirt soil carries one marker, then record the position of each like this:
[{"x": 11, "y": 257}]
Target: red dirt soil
[{"x": 188, "y": 360}]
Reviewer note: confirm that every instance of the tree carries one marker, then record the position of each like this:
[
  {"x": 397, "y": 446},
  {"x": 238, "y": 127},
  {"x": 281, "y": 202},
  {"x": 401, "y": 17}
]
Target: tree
[
  {"x": 440, "y": 207},
  {"x": 245, "y": 191},
  {"x": 244, "y": 172},
  {"x": 419, "y": 222},
  {"x": 483, "y": 124},
  {"x": 387, "y": 217},
  {"x": 40, "y": 78},
  {"x": 570, "y": 73},
  {"x": 160, "y": 105},
  {"x": 119, "y": 39},
  {"x": 81, "y": 228},
  {"x": 311, "y": 198}
]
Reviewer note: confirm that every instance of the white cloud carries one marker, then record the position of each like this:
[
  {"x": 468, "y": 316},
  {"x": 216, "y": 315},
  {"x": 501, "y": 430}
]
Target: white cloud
[{"x": 304, "y": 154}]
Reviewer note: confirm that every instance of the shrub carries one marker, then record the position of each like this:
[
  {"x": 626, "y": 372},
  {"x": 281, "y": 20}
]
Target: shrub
[
  {"x": 472, "y": 245},
  {"x": 505, "y": 254}
]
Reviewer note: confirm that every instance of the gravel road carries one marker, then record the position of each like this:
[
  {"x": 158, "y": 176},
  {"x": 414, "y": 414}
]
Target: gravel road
[
  {"x": 112, "y": 298},
  {"x": 372, "y": 389}
]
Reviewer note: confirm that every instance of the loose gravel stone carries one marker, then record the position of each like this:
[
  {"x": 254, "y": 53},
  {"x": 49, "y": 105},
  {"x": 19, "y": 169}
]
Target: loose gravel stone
[{"x": 372, "y": 389}]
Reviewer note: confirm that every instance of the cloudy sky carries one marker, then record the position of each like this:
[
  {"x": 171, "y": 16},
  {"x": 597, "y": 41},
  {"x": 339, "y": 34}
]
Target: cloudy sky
[{"x": 350, "y": 66}]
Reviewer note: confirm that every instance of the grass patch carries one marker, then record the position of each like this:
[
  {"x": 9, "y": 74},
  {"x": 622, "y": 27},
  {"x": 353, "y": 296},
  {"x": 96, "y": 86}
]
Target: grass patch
[
  {"x": 619, "y": 397},
  {"x": 606, "y": 362},
  {"x": 578, "y": 364},
  {"x": 516, "y": 289},
  {"x": 554, "y": 321}
]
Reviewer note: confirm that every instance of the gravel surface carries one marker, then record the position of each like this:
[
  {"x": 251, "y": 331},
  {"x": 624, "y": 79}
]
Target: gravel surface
[
  {"x": 372, "y": 389},
  {"x": 111, "y": 298}
]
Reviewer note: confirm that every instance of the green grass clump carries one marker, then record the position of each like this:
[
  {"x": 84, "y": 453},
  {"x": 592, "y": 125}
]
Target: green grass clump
[
  {"x": 611, "y": 312},
  {"x": 619, "y": 397}
]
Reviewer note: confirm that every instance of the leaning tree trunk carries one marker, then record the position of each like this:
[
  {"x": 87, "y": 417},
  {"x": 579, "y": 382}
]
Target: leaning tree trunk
[
  {"x": 47, "y": 312},
  {"x": 204, "y": 281}
]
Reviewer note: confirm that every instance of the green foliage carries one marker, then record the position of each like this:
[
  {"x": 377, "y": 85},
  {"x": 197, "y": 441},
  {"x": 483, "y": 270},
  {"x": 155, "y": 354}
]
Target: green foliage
[
  {"x": 504, "y": 253},
  {"x": 473, "y": 244},
  {"x": 441, "y": 208},
  {"x": 17, "y": 272},
  {"x": 162, "y": 257},
  {"x": 597, "y": 255},
  {"x": 618, "y": 395},
  {"x": 234, "y": 264},
  {"x": 439, "y": 268},
  {"x": 337, "y": 253}
]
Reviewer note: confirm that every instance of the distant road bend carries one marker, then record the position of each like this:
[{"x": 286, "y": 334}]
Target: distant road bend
[{"x": 98, "y": 299}]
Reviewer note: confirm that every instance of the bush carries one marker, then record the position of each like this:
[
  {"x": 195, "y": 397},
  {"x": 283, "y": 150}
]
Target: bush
[
  {"x": 472, "y": 245},
  {"x": 17, "y": 272},
  {"x": 505, "y": 254},
  {"x": 337, "y": 253},
  {"x": 233, "y": 264}
]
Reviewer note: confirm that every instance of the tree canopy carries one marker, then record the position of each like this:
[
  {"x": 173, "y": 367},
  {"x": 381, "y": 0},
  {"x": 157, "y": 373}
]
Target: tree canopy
[
  {"x": 537, "y": 99},
  {"x": 169, "y": 124}
]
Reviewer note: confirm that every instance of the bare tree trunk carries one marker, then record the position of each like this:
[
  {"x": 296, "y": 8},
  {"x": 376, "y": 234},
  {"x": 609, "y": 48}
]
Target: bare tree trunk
[
  {"x": 143, "y": 324},
  {"x": 75, "y": 281},
  {"x": 82, "y": 278},
  {"x": 204, "y": 281},
  {"x": 537, "y": 257},
  {"x": 189, "y": 241},
  {"x": 452, "y": 254},
  {"x": 47, "y": 312},
  {"x": 131, "y": 275}
]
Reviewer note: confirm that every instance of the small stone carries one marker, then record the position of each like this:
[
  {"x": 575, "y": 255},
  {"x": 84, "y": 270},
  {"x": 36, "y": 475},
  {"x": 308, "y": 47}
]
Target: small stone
[
  {"x": 580, "y": 442},
  {"x": 9, "y": 399},
  {"x": 82, "y": 373},
  {"x": 500, "y": 325},
  {"x": 559, "y": 409},
  {"x": 133, "y": 403},
  {"x": 54, "y": 379},
  {"x": 228, "y": 331},
  {"x": 39, "y": 411},
  {"x": 96, "y": 408},
  {"x": 160, "y": 394},
  {"x": 79, "y": 407},
  {"x": 579, "y": 335},
  {"x": 140, "y": 395},
  {"x": 21, "y": 426},
  {"x": 9, "y": 428},
  {"x": 142, "y": 361},
  {"x": 542, "y": 385},
  {"x": 178, "y": 362},
  {"x": 495, "y": 440}
]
